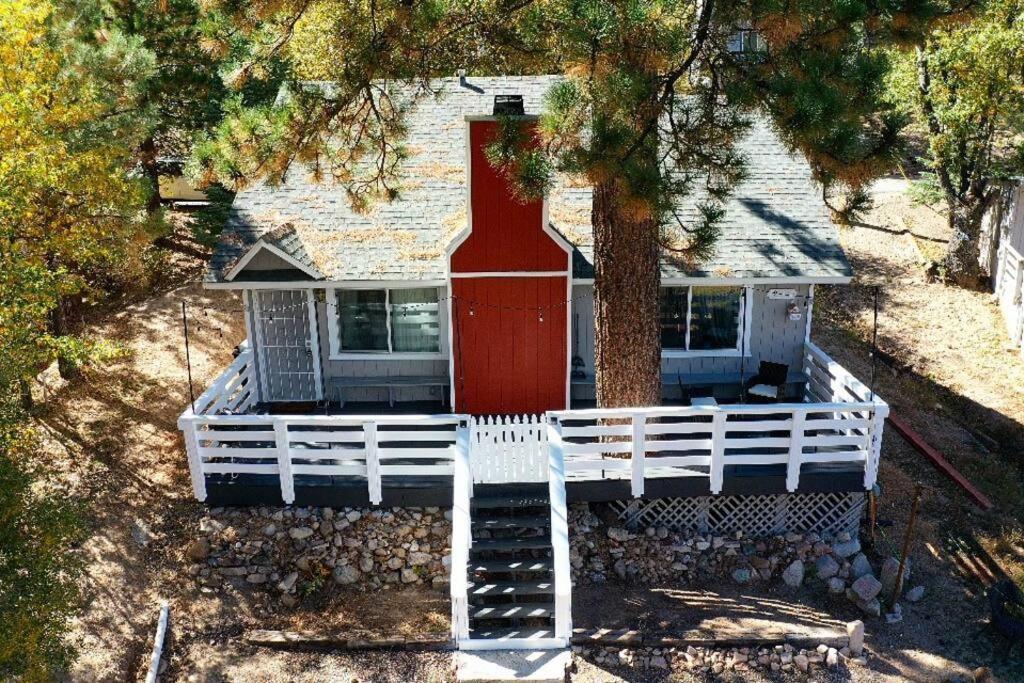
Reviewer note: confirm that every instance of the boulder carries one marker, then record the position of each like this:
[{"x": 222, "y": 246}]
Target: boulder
[
  {"x": 890, "y": 571},
  {"x": 198, "y": 550},
  {"x": 826, "y": 567},
  {"x": 409, "y": 576},
  {"x": 741, "y": 575},
  {"x": 618, "y": 534},
  {"x": 345, "y": 574},
  {"x": 845, "y": 549},
  {"x": 855, "y": 631},
  {"x": 860, "y": 566},
  {"x": 793, "y": 575},
  {"x": 836, "y": 585},
  {"x": 866, "y": 588}
]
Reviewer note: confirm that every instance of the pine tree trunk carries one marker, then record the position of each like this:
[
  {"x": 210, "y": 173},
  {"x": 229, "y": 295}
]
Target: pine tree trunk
[
  {"x": 627, "y": 353},
  {"x": 962, "y": 262}
]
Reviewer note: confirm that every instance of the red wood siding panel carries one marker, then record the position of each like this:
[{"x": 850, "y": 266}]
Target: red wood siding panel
[
  {"x": 507, "y": 235},
  {"x": 509, "y": 361}
]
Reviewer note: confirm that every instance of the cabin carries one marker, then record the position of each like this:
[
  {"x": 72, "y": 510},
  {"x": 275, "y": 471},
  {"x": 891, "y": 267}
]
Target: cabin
[{"x": 439, "y": 350}]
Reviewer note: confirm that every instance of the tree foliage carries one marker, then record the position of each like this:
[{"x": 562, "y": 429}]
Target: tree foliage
[
  {"x": 70, "y": 214},
  {"x": 964, "y": 86}
]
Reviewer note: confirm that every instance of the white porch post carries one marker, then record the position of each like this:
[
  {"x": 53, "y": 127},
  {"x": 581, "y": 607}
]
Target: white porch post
[
  {"x": 195, "y": 461},
  {"x": 284, "y": 461},
  {"x": 372, "y": 463},
  {"x": 796, "y": 450},
  {"x": 717, "y": 473},
  {"x": 639, "y": 455},
  {"x": 875, "y": 445}
]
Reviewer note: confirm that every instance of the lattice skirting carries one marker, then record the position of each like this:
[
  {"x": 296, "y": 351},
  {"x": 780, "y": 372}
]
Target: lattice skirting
[{"x": 753, "y": 515}]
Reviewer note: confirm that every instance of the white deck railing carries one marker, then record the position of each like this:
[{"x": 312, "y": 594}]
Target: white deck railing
[
  {"x": 839, "y": 421},
  {"x": 462, "y": 540},
  {"x": 219, "y": 440},
  {"x": 559, "y": 535}
]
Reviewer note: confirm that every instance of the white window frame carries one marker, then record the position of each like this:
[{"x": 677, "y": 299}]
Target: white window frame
[
  {"x": 742, "y": 328},
  {"x": 334, "y": 325}
]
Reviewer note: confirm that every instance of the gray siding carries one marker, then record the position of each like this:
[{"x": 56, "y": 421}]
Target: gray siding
[{"x": 773, "y": 337}]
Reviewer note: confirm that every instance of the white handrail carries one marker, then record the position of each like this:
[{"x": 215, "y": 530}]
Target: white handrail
[
  {"x": 559, "y": 534},
  {"x": 462, "y": 482}
]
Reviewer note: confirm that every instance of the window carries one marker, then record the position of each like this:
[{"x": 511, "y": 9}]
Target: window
[
  {"x": 701, "y": 318},
  {"x": 389, "y": 320}
]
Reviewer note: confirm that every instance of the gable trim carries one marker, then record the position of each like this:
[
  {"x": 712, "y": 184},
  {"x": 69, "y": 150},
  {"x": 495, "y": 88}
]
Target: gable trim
[{"x": 261, "y": 245}]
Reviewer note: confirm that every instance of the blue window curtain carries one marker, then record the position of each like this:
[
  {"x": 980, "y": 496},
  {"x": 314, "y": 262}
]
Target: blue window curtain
[
  {"x": 415, "y": 320},
  {"x": 715, "y": 318},
  {"x": 363, "y": 319}
]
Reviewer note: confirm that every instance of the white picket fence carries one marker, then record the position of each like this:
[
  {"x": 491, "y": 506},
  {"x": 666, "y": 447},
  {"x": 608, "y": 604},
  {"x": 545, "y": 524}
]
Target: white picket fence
[{"x": 509, "y": 449}]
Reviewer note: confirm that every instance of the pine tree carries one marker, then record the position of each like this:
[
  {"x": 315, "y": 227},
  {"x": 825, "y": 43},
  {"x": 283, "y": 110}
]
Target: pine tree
[{"x": 964, "y": 87}]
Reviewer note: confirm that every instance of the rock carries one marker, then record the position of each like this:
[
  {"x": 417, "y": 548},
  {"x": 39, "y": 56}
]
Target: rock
[
  {"x": 866, "y": 588},
  {"x": 836, "y": 585},
  {"x": 832, "y": 658},
  {"x": 826, "y": 567},
  {"x": 141, "y": 534},
  {"x": 618, "y": 534},
  {"x": 345, "y": 574},
  {"x": 300, "y": 533},
  {"x": 256, "y": 578},
  {"x": 801, "y": 662},
  {"x": 269, "y": 530},
  {"x": 288, "y": 582},
  {"x": 409, "y": 576},
  {"x": 620, "y": 568},
  {"x": 741, "y": 576},
  {"x": 366, "y": 565},
  {"x": 895, "y": 616},
  {"x": 845, "y": 549},
  {"x": 890, "y": 572},
  {"x": 353, "y": 516},
  {"x": 289, "y": 600},
  {"x": 855, "y": 632},
  {"x": 915, "y": 594},
  {"x": 198, "y": 550},
  {"x": 860, "y": 566},
  {"x": 418, "y": 559},
  {"x": 659, "y": 662},
  {"x": 870, "y": 607},
  {"x": 793, "y": 575}
]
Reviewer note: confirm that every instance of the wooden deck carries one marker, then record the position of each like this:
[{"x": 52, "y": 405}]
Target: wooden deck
[{"x": 242, "y": 451}]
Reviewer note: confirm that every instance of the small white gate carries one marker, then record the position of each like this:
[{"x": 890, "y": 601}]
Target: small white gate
[{"x": 508, "y": 449}]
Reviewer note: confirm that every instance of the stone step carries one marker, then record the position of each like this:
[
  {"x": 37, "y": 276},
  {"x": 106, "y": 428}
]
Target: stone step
[
  {"x": 511, "y": 544},
  {"x": 490, "y": 666},
  {"x": 513, "y": 522},
  {"x": 522, "y": 611},
  {"x": 490, "y": 589},
  {"x": 513, "y": 565}
]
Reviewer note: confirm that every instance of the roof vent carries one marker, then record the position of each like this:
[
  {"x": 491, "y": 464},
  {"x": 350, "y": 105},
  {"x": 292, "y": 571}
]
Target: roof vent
[{"x": 509, "y": 105}]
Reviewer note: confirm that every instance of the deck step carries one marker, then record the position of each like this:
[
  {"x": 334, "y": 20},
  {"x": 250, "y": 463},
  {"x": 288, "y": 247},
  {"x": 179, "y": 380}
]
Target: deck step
[
  {"x": 512, "y": 633},
  {"x": 524, "y": 522},
  {"x": 523, "y": 611},
  {"x": 509, "y": 501},
  {"x": 493, "y": 589},
  {"x": 511, "y": 544},
  {"x": 515, "y": 565}
]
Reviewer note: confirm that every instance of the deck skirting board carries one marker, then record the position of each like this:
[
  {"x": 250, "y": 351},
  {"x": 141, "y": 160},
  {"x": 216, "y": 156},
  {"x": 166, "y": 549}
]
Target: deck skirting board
[{"x": 256, "y": 489}]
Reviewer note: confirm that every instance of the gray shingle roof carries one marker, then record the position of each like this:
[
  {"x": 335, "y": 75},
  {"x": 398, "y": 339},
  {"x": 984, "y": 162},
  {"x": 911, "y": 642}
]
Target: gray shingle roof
[{"x": 776, "y": 224}]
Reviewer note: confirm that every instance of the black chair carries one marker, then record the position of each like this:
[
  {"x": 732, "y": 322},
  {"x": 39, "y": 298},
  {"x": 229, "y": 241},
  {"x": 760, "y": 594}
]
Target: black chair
[{"x": 768, "y": 374}]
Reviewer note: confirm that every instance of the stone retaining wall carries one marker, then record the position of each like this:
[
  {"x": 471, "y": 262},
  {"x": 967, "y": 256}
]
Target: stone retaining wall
[{"x": 287, "y": 549}]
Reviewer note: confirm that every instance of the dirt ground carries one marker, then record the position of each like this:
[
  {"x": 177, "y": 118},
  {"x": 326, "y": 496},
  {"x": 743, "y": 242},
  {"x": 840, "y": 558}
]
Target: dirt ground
[{"x": 112, "y": 443}]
